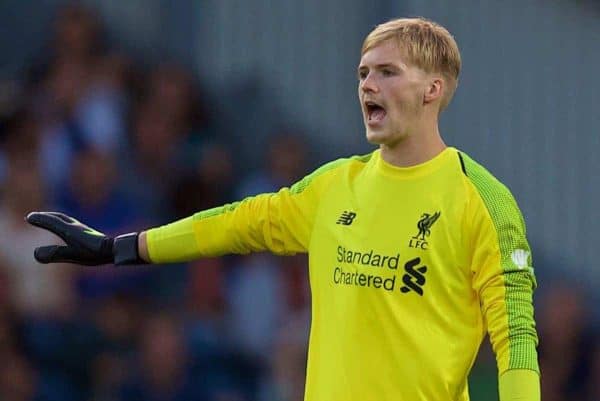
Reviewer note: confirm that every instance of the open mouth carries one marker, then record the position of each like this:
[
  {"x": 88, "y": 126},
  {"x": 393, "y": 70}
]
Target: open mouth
[{"x": 375, "y": 112}]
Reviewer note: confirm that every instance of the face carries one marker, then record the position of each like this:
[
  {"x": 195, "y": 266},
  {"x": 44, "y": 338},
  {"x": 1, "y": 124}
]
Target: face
[{"x": 391, "y": 94}]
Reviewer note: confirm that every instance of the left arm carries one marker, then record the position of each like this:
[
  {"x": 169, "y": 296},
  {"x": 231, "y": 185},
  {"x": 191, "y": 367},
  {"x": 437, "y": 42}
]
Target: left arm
[{"x": 504, "y": 279}]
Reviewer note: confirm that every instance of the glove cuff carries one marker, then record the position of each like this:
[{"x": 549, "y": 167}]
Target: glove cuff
[{"x": 125, "y": 250}]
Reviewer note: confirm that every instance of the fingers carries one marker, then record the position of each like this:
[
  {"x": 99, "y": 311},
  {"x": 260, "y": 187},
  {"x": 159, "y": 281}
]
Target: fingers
[
  {"x": 49, "y": 254},
  {"x": 63, "y": 217},
  {"x": 67, "y": 254},
  {"x": 48, "y": 221},
  {"x": 63, "y": 254}
]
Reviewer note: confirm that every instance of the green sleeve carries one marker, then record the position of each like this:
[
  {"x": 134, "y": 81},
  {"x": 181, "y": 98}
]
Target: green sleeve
[{"x": 503, "y": 273}]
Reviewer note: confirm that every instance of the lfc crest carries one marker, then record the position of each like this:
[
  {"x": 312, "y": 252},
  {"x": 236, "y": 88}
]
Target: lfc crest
[{"x": 424, "y": 225}]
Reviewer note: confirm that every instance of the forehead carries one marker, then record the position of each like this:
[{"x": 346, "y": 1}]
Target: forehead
[{"x": 386, "y": 52}]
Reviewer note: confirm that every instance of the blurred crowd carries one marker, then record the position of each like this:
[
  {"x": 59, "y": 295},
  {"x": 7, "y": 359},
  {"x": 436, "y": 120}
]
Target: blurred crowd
[{"x": 123, "y": 145}]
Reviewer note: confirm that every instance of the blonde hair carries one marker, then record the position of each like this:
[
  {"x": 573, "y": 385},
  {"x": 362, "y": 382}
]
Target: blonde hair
[{"x": 427, "y": 44}]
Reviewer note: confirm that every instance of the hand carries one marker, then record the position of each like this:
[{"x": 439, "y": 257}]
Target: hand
[{"x": 84, "y": 245}]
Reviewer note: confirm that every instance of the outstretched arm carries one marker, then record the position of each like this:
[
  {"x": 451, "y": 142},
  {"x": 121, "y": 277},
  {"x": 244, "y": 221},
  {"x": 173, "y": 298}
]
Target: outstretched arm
[{"x": 276, "y": 222}]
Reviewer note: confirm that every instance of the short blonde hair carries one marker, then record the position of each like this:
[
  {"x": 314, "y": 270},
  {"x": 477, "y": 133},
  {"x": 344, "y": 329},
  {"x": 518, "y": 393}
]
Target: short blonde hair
[{"x": 427, "y": 44}]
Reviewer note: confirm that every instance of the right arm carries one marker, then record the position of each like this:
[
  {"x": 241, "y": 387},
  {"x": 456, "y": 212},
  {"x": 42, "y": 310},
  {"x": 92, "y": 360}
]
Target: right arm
[
  {"x": 280, "y": 223},
  {"x": 277, "y": 222}
]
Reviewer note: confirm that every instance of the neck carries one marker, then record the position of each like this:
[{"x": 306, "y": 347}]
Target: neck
[{"x": 418, "y": 147}]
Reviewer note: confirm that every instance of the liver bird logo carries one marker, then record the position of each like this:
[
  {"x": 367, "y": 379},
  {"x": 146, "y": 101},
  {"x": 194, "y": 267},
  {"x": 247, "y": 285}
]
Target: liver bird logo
[{"x": 425, "y": 224}]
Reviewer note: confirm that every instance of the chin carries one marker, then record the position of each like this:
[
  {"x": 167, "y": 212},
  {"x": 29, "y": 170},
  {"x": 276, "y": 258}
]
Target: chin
[{"x": 376, "y": 138}]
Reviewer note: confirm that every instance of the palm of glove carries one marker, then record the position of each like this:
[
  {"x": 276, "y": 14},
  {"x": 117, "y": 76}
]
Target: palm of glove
[{"x": 84, "y": 245}]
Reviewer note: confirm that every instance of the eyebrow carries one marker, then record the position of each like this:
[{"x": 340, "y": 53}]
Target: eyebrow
[{"x": 379, "y": 66}]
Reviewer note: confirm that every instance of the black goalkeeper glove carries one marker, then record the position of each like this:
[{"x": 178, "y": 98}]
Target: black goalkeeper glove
[{"x": 84, "y": 245}]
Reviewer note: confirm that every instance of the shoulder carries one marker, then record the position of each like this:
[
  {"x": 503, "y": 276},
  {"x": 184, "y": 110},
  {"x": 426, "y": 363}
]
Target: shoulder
[
  {"x": 497, "y": 197},
  {"x": 486, "y": 184},
  {"x": 331, "y": 170}
]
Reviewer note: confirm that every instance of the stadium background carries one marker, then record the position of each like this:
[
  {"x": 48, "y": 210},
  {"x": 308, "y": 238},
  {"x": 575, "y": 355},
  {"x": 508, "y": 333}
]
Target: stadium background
[{"x": 156, "y": 109}]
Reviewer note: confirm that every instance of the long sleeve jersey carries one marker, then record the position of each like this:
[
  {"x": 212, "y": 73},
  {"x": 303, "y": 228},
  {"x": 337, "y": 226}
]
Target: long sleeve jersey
[{"x": 409, "y": 269}]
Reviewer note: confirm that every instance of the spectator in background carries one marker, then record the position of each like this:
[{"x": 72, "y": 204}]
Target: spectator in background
[
  {"x": 109, "y": 372},
  {"x": 102, "y": 110},
  {"x": 160, "y": 168},
  {"x": 35, "y": 292},
  {"x": 44, "y": 299},
  {"x": 18, "y": 380},
  {"x": 285, "y": 381},
  {"x": 208, "y": 184},
  {"x": 117, "y": 320},
  {"x": 93, "y": 193},
  {"x": 170, "y": 88},
  {"x": 205, "y": 306},
  {"x": 286, "y": 161},
  {"x": 592, "y": 387},
  {"x": 163, "y": 130},
  {"x": 565, "y": 343},
  {"x": 80, "y": 96},
  {"x": 163, "y": 368},
  {"x": 262, "y": 286},
  {"x": 154, "y": 146},
  {"x": 77, "y": 34}
]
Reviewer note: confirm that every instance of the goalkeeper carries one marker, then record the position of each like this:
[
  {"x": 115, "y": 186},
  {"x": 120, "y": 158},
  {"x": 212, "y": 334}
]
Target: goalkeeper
[{"x": 415, "y": 250}]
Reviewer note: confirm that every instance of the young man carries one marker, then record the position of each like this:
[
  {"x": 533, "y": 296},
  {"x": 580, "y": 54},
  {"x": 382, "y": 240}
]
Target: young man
[{"x": 416, "y": 251}]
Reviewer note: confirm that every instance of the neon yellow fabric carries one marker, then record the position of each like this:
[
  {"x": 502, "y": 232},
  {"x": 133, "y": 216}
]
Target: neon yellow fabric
[
  {"x": 175, "y": 242},
  {"x": 409, "y": 268},
  {"x": 519, "y": 385},
  {"x": 506, "y": 273}
]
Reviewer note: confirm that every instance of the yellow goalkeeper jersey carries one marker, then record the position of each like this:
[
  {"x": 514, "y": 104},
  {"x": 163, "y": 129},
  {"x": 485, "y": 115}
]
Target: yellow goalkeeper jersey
[{"x": 409, "y": 269}]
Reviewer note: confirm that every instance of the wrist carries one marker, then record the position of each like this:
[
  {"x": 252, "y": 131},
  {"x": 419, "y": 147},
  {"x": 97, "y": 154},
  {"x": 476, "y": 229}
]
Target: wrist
[
  {"x": 125, "y": 250},
  {"x": 143, "y": 247},
  {"x": 106, "y": 251}
]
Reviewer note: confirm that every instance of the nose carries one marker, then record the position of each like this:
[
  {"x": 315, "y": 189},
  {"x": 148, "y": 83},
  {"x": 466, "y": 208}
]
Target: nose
[{"x": 368, "y": 84}]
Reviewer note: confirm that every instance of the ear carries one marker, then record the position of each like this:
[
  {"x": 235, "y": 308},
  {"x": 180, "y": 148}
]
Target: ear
[{"x": 434, "y": 90}]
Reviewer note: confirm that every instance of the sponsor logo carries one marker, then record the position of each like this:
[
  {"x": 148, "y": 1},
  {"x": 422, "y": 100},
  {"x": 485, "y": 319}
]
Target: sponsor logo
[
  {"x": 414, "y": 279},
  {"x": 367, "y": 268}
]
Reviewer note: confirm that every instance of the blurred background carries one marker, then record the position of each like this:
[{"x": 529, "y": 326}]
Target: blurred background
[{"x": 130, "y": 114}]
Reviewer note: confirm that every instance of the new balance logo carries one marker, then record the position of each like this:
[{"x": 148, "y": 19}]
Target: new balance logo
[
  {"x": 346, "y": 218},
  {"x": 414, "y": 279}
]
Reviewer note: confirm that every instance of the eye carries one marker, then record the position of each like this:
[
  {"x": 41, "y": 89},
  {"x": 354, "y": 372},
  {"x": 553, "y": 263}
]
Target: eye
[
  {"x": 362, "y": 75},
  {"x": 386, "y": 72}
]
